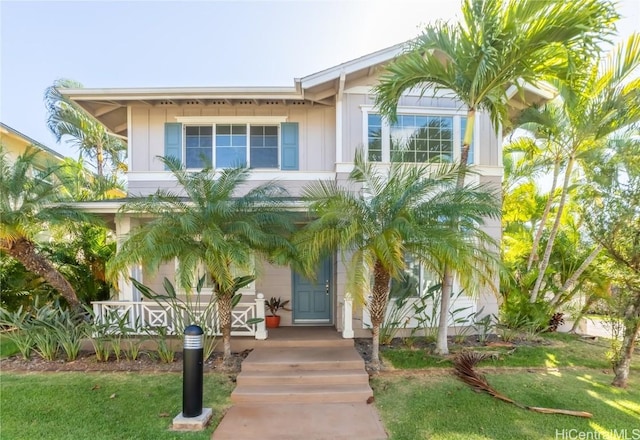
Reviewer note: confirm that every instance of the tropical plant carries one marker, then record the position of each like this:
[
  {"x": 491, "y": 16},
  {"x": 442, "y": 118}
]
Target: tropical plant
[
  {"x": 497, "y": 47},
  {"x": 275, "y": 304},
  {"x": 29, "y": 208},
  {"x": 192, "y": 310},
  {"x": 216, "y": 227},
  {"x": 65, "y": 118},
  {"x": 406, "y": 210},
  {"x": 594, "y": 105},
  {"x": 613, "y": 220}
]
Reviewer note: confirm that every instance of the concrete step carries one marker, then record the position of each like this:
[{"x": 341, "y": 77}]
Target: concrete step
[
  {"x": 328, "y": 342},
  {"x": 339, "y": 393},
  {"x": 332, "y": 421},
  {"x": 305, "y": 377},
  {"x": 296, "y": 358}
]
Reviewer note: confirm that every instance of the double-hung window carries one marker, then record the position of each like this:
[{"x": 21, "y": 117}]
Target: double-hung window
[
  {"x": 231, "y": 145},
  {"x": 416, "y": 137},
  {"x": 415, "y": 281}
]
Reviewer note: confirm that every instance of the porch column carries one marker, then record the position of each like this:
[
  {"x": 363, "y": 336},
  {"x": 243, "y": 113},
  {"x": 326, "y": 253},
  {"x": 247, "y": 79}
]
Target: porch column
[
  {"x": 347, "y": 316},
  {"x": 261, "y": 327},
  {"x": 125, "y": 287}
]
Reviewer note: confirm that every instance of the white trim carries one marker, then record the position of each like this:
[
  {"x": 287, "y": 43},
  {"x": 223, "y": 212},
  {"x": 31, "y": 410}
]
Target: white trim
[
  {"x": 129, "y": 137},
  {"x": 372, "y": 59},
  {"x": 339, "y": 116},
  {"x": 415, "y": 110},
  {"x": 231, "y": 119},
  {"x": 256, "y": 175}
]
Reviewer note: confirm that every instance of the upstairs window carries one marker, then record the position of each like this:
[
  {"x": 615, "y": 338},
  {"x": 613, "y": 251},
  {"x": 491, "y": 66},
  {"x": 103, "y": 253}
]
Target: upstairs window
[
  {"x": 252, "y": 145},
  {"x": 416, "y": 138}
]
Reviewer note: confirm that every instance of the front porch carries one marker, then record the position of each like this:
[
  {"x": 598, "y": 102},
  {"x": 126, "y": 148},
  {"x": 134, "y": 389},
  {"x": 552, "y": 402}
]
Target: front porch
[{"x": 247, "y": 320}]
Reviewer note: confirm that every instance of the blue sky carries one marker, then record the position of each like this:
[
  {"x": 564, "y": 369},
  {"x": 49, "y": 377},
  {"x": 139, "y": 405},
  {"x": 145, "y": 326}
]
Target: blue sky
[{"x": 197, "y": 43}]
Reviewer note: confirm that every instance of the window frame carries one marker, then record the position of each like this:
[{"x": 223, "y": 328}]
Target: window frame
[
  {"x": 248, "y": 122},
  {"x": 457, "y": 116}
]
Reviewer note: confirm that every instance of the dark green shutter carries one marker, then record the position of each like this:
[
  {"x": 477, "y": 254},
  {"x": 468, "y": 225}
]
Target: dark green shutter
[
  {"x": 173, "y": 140},
  {"x": 289, "y": 146}
]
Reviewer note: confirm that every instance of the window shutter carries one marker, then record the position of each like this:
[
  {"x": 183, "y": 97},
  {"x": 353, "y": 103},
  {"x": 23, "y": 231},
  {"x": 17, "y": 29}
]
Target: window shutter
[
  {"x": 173, "y": 140},
  {"x": 289, "y": 146}
]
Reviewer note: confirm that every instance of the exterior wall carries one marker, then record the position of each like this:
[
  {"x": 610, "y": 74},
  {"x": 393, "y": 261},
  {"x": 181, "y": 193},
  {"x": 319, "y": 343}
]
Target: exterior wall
[
  {"x": 275, "y": 281},
  {"x": 358, "y": 95},
  {"x": 316, "y": 141}
]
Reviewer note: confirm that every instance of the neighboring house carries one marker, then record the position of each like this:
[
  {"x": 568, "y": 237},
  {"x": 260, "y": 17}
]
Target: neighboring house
[
  {"x": 294, "y": 135},
  {"x": 16, "y": 143}
]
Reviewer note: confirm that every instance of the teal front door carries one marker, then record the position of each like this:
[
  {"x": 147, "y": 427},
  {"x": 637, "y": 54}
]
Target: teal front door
[{"x": 312, "y": 297}]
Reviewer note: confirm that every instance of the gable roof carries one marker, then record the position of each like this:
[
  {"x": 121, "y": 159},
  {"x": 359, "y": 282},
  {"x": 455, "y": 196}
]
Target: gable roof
[
  {"x": 109, "y": 105},
  {"x": 12, "y": 132}
]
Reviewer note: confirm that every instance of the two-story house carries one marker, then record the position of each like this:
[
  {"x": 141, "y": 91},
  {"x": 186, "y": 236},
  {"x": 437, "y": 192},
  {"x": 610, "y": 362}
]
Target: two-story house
[{"x": 294, "y": 135}]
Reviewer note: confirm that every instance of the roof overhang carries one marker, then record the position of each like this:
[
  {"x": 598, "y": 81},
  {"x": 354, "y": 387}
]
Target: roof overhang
[{"x": 109, "y": 106}]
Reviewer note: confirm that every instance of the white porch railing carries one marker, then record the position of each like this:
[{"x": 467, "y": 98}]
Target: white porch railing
[{"x": 145, "y": 317}]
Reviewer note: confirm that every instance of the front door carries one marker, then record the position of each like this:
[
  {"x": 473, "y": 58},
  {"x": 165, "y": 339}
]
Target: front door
[{"x": 312, "y": 298}]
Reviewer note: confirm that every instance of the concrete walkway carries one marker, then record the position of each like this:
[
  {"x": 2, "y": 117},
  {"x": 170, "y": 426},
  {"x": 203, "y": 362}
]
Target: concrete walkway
[{"x": 311, "y": 386}]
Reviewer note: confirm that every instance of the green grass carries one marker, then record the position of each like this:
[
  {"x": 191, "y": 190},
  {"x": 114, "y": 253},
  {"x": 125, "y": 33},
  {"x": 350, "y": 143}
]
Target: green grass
[
  {"x": 556, "y": 351},
  {"x": 443, "y": 408},
  {"x": 7, "y": 347},
  {"x": 101, "y": 405}
]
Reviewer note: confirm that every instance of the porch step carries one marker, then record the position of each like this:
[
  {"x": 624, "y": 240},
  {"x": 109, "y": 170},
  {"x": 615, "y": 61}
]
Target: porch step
[
  {"x": 304, "y": 337},
  {"x": 307, "y": 358},
  {"x": 293, "y": 343},
  {"x": 337, "y": 393},
  {"x": 303, "y": 377}
]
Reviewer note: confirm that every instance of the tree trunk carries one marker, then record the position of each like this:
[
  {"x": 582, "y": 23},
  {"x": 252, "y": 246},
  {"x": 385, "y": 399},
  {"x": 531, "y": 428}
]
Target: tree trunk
[
  {"x": 545, "y": 214},
  {"x": 99, "y": 160},
  {"x": 24, "y": 251},
  {"x": 590, "y": 300},
  {"x": 554, "y": 232},
  {"x": 442, "y": 347},
  {"x": 442, "y": 344},
  {"x": 224, "y": 318},
  {"x": 631, "y": 329},
  {"x": 568, "y": 285},
  {"x": 378, "y": 307}
]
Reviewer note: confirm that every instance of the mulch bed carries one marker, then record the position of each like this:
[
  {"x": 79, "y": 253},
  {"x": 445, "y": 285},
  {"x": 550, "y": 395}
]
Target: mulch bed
[{"x": 87, "y": 362}]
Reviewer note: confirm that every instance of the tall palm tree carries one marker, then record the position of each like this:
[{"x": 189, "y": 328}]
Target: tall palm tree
[
  {"x": 613, "y": 220},
  {"x": 28, "y": 207},
  {"x": 587, "y": 117},
  {"x": 497, "y": 45},
  {"x": 212, "y": 226},
  {"x": 381, "y": 218},
  {"x": 89, "y": 136}
]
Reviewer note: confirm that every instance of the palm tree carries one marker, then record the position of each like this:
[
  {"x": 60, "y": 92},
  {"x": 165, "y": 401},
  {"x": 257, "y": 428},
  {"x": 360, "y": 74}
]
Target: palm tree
[
  {"x": 498, "y": 45},
  {"x": 90, "y": 137},
  {"x": 213, "y": 227},
  {"x": 406, "y": 211},
  {"x": 590, "y": 111},
  {"x": 29, "y": 207},
  {"x": 613, "y": 220}
]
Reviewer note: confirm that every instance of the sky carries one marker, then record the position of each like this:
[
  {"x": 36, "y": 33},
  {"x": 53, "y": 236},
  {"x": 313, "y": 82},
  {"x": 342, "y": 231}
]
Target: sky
[{"x": 105, "y": 44}]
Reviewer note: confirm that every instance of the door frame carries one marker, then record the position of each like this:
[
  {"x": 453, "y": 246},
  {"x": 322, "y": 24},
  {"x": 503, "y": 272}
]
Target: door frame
[{"x": 329, "y": 261}]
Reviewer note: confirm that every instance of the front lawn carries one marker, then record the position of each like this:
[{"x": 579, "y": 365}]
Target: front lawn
[
  {"x": 437, "y": 407},
  {"x": 552, "y": 350},
  {"x": 101, "y": 406}
]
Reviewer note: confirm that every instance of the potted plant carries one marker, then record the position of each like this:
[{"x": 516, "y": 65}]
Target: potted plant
[{"x": 274, "y": 304}]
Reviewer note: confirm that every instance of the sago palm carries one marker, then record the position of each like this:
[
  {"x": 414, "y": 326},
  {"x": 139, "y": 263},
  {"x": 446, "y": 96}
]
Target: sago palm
[
  {"x": 379, "y": 218},
  {"x": 29, "y": 206},
  {"x": 214, "y": 226},
  {"x": 497, "y": 47}
]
